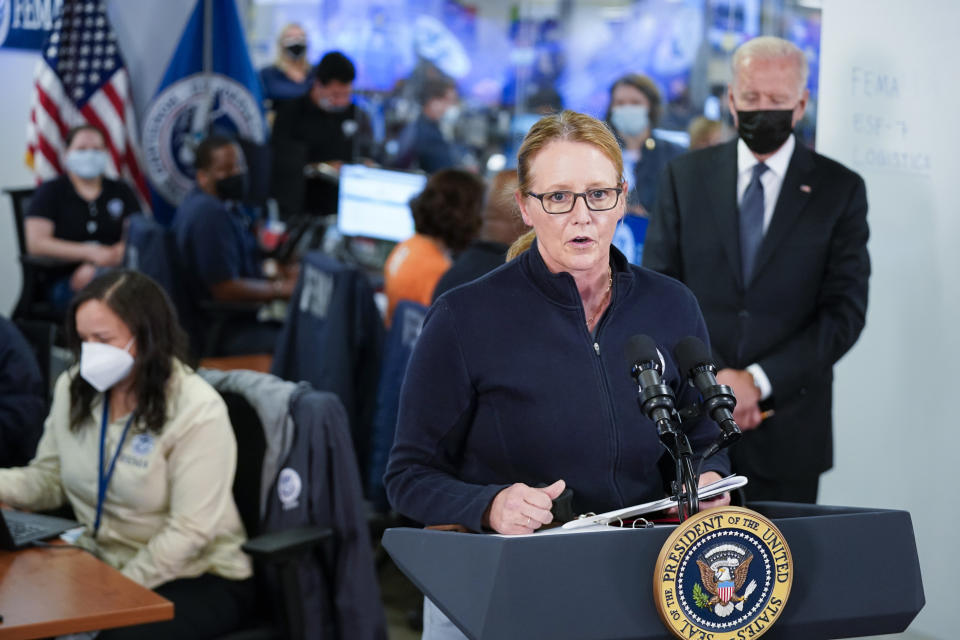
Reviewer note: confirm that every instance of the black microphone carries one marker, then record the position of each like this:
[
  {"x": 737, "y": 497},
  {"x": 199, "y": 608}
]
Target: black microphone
[
  {"x": 656, "y": 399},
  {"x": 718, "y": 399}
]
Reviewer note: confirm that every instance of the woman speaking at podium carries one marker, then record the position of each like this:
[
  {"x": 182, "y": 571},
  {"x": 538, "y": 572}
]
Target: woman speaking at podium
[
  {"x": 518, "y": 386},
  {"x": 142, "y": 449}
]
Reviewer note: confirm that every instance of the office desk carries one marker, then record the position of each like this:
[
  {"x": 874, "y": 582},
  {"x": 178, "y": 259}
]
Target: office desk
[{"x": 47, "y": 592}]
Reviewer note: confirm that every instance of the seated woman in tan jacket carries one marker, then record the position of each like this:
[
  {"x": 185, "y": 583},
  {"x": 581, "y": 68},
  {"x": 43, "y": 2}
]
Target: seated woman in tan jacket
[{"x": 142, "y": 449}]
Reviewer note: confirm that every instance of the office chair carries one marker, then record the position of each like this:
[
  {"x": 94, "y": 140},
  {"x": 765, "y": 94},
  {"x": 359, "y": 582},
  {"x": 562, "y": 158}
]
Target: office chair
[
  {"x": 333, "y": 339},
  {"x": 404, "y": 331},
  {"x": 298, "y": 492},
  {"x": 280, "y": 552},
  {"x": 38, "y": 272},
  {"x": 41, "y": 337}
]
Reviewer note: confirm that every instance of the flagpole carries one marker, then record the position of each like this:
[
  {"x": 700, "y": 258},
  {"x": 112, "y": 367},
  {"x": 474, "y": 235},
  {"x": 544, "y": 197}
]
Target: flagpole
[{"x": 208, "y": 36}]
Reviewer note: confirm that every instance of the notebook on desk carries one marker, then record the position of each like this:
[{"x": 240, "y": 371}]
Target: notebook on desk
[{"x": 19, "y": 529}]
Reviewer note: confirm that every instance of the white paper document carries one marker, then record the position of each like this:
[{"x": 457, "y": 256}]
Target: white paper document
[{"x": 707, "y": 491}]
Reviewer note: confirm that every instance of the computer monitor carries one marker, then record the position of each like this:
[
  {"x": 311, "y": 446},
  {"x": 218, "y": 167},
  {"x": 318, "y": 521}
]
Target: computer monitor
[{"x": 375, "y": 203}]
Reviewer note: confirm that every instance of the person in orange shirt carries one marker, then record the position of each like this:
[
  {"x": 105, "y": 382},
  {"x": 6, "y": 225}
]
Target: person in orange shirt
[{"x": 446, "y": 218}]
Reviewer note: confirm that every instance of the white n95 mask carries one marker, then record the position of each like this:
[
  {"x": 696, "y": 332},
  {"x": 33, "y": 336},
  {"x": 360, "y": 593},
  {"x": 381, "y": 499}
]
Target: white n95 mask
[{"x": 104, "y": 365}]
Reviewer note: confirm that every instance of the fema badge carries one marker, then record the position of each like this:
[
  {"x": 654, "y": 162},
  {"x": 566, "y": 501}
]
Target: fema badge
[
  {"x": 180, "y": 117},
  {"x": 724, "y": 574},
  {"x": 115, "y": 207},
  {"x": 288, "y": 488},
  {"x": 142, "y": 444}
]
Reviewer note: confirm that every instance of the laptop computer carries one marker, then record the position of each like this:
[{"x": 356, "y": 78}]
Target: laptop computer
[{"x": 19, "y": 529}]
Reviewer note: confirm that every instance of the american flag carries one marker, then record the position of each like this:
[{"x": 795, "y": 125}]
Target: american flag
[{"x": 82, "y": 79}]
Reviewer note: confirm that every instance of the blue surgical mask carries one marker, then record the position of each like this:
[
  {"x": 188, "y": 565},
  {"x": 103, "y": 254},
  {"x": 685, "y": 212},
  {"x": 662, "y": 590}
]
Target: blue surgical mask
[
  {"x": 630, "y": 119},
  {"x": 86, "y": 163}
]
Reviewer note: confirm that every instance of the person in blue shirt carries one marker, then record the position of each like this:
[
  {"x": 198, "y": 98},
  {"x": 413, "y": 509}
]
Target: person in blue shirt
[
  {"x": 423, "y": 144},
  {"x": 634, "y": 111},
  {"x": 218, "y": 246},
  {"x": 289, "y": 76}
]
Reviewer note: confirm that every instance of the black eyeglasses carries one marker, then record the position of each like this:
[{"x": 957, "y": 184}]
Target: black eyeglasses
[{"x": 564, "y": 201}]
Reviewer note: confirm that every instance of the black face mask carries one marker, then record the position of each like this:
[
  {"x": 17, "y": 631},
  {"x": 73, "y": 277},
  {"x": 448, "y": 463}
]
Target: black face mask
[
  {"x": 296, "y": 51},
  {"x": 765, "y": 131},
  {"x": 232, "y": 187}
]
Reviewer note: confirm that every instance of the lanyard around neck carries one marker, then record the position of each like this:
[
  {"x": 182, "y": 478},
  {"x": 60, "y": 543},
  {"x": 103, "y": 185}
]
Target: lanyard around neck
[{"x": 103, "y": 477}]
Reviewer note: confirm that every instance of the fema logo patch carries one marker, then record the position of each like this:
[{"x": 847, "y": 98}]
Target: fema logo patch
[
  {"x": 179, "y": 118},
  {"x": 289, "y": 487},
  {"x": 142, "y": 444},
  {"x": 724, "y": 574},
  {"x": 115, "y": 207}
]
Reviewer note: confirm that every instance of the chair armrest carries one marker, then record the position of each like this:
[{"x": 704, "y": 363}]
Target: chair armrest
[
  {"x": 280, "y": 545},
  {"x": 227, "y": 308},
  {"x": 47, "y": 262}
]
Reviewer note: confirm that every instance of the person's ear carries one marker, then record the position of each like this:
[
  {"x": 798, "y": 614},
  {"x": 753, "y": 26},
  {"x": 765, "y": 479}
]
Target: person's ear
[
  {"x": 801, "y": 107},
  {"x": 203, "y": 180},
  {"x": 522, "y": 205}
]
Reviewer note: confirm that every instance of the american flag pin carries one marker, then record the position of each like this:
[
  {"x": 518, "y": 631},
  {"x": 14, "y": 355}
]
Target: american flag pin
[{"x": 805, "y": 188}]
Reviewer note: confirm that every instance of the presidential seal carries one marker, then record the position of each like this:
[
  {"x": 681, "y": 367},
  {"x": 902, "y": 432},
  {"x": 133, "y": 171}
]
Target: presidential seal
[
  {"x": 724, "y": 574},
  {"x": 182, "y": 115}
]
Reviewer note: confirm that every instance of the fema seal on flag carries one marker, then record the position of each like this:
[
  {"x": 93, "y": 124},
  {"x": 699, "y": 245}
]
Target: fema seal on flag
[
  {"x": 724, "y": 574},
  {"x": 181, "y": 116}
]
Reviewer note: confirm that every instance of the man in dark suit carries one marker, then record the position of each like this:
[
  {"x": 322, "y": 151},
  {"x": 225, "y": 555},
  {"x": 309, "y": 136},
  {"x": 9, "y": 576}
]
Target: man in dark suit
[{"x": 772, "y": 239}]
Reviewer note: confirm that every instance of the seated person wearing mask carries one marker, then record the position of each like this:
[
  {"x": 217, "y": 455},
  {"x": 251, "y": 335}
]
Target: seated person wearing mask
[
  {"x": 635, "y": 107},
  {"x": 218, "y": 246},
  {"x": 133, "y": 419},
  {"x": 79, "y": 216},
  {"x": 289, "y": 76},
  {"x": 23, "y": 397},
  {"x": 422, "y": 143},
  {"x": 322, "y": 126},
  {"x": 446, "y": 218},
  {"x": 505, "y": 402},
  {"x": 501, "y": 226}
]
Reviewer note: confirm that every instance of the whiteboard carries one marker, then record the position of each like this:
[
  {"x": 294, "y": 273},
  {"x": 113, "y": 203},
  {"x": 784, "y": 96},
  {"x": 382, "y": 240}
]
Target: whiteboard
[{"x": 890, "y": 109}]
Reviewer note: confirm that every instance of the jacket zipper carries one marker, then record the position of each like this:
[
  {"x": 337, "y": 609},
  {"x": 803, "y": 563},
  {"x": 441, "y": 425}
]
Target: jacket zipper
[{"x": 610, "y": 413}]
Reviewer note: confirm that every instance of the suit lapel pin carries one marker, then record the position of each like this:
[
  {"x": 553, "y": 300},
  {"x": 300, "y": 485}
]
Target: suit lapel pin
[{"x": 805, "y": 188}]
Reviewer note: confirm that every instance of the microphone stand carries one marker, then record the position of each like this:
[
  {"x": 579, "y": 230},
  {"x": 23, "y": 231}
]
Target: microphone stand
[{"x": 656, "y": 400}]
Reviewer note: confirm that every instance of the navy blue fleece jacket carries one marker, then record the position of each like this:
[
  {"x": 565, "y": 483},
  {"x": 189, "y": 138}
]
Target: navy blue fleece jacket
[{"x": 506, "y": 384}]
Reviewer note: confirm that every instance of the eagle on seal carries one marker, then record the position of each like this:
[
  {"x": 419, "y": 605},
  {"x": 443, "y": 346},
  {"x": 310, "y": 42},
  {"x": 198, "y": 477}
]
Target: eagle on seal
[{"x": 721, "y": 584}]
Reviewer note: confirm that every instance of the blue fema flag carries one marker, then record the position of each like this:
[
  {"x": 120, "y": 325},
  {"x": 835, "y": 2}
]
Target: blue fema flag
[{"x": 209, "y": 86}]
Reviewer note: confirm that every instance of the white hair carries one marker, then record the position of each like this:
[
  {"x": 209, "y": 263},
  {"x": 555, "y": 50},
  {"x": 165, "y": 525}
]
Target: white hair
[{"x": 770, "y": 48}]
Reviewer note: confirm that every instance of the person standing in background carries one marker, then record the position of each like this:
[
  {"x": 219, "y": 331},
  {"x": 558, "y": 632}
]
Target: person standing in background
[
  {"x": 635, "y": 107},
  {"x": 772, "y": 239},
  {"x": 704, "y": 133},
  {"x": 289, "y": 76},
  {"x": 423, "y": 143},
  {"x": 315, "y": 134}
]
